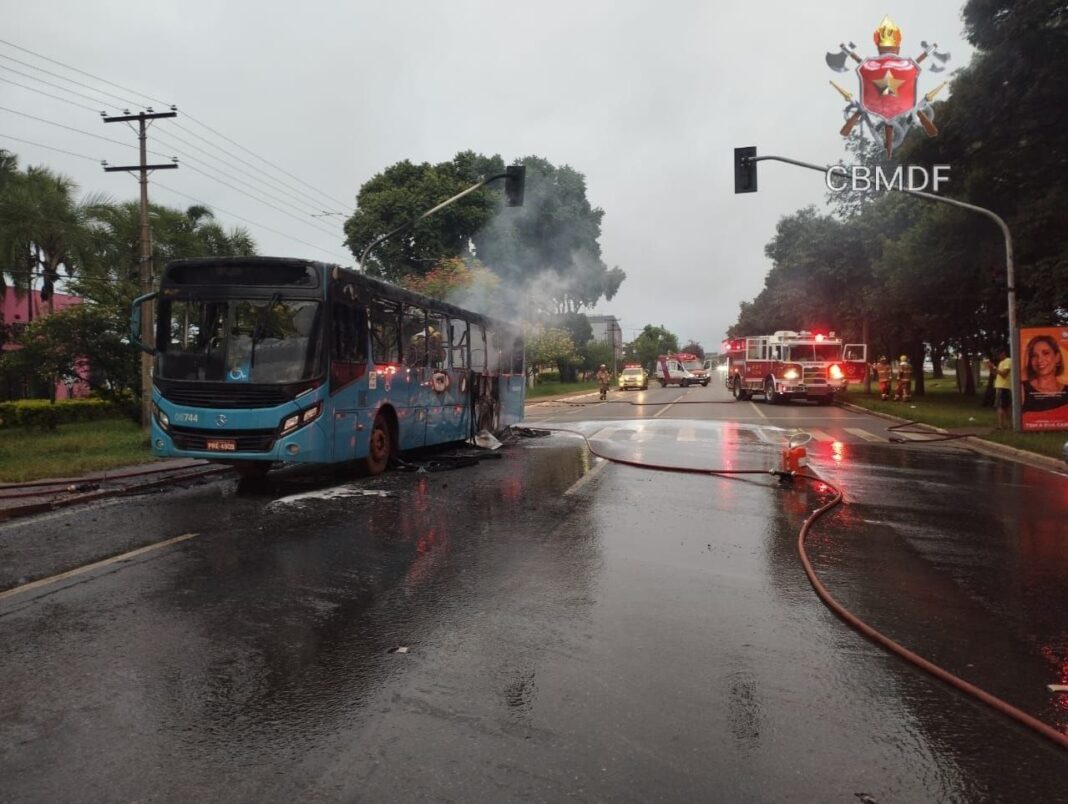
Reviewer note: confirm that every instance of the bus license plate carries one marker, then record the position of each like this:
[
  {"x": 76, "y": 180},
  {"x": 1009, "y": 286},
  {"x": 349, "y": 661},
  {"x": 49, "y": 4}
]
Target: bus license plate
[{"x": 222, "y": 445}]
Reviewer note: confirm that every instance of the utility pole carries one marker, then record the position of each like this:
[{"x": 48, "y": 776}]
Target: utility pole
[{"x": 146, "y": 273}]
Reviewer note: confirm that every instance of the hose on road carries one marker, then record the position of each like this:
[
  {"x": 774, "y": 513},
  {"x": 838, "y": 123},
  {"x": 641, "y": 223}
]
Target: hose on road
[{"x": 837, "y": 608}]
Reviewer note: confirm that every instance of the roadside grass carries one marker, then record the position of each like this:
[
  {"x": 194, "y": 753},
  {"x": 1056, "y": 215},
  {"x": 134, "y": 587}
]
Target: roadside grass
[
  {"x": 71, "y": 450},
  {"x": 943, "y": 406},
  {"x": 556, "y": 388}
]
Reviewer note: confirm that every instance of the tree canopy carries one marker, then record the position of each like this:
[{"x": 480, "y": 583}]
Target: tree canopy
[{"x": 546, "y": 253}]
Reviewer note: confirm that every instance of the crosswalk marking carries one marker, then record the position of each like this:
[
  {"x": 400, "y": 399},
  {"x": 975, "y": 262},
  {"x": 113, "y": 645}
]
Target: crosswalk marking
[
  {"x": 865, "y": 435},
  {"x": 914, "y": 436},
  {"x": 686, "y": 434},
  {"x": 819, "y": 435}
]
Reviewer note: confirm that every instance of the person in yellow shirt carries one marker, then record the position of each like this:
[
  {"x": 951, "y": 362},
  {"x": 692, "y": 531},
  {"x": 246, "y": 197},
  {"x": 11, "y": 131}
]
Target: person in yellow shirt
[{"x": 1002, "y": 365}]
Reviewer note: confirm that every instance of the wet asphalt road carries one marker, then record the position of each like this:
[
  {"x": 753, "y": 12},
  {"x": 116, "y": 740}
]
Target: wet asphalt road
[{"x": 568, "y": 628}]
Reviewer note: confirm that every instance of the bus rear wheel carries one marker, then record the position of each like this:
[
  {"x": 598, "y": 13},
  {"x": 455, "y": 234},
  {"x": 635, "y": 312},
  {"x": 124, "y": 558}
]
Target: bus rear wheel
[{"x": 380, "y": 447}]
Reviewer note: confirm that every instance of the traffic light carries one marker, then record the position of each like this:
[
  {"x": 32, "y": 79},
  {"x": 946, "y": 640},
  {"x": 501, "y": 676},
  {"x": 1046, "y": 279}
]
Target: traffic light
[
  {"x": 515, "y": 177},
  {"x": 745, "y": 170}
]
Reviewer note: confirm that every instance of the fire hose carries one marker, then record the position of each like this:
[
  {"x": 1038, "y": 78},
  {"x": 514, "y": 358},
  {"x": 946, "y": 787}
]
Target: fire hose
[{"x": 837, "y": 608}]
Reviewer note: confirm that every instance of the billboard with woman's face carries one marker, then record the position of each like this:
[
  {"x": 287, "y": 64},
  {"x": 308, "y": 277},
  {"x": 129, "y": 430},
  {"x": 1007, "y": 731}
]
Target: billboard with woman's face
[{"x": 1044, "y": 374}]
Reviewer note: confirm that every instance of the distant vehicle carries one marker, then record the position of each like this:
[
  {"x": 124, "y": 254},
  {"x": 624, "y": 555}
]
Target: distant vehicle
[
  {"x": 681, "y": 369},
  {"x": 262, "y": 359},
  {"x": 633, "y": 376},
  {"x": 793, "y": 365}
]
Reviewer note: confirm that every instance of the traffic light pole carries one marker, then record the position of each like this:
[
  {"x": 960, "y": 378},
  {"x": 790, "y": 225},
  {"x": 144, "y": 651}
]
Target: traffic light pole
[{"x": 745, "y": 181}]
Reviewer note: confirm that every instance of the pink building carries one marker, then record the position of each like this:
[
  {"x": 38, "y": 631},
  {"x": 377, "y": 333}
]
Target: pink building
[{"x": 17, "y": 314}]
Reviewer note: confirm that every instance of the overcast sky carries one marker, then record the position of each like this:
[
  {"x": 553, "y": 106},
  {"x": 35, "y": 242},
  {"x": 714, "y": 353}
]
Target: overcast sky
[{"x": 647, "y": 99}]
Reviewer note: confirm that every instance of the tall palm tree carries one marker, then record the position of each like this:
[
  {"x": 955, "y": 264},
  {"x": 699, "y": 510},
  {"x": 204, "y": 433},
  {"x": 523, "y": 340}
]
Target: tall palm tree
[{"x": 43, "y": 230}]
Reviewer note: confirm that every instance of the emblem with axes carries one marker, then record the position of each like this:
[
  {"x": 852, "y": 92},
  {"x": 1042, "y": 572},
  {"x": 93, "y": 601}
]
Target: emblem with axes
[{"x": 888, "y": 102}]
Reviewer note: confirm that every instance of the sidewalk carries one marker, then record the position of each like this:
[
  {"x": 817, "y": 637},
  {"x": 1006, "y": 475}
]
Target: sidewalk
[
  {"x": 977, "y": 444},
  {"x": 34, "y": 497}
]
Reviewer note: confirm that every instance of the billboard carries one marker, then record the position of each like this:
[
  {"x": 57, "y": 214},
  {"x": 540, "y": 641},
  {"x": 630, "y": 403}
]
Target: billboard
[{"x": 1044, "y": 374}]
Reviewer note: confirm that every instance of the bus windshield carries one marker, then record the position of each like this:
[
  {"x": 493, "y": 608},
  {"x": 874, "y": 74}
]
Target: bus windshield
[
  {"x": 239, "y": 340},
  {"x": 815, "y": 352}
]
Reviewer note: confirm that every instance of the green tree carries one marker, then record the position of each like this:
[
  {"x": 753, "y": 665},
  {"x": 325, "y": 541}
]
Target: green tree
[
  {"x": 693, "y": 348},
  {"x": 552, "y": 242},
  {"x": 453, "y": 279},
  {"x": 43, "y": 230},
  {"x": 549, "y": 346},
  {"x": 80, "y": 342},
  {"x": 652, "y": 342},
  {"x": 403, "y": 192}
]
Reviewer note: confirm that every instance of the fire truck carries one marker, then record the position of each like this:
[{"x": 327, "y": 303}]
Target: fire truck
[
  {"x": 793, "y": 365},
  {"x": 681, "y": 369}
]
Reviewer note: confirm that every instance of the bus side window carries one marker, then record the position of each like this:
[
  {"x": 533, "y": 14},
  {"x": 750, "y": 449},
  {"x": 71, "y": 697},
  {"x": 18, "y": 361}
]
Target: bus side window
[
  {"x": 437, "y": 347},
  {"x": 459, "y": 343},
  {"x": 349, "y": 344},
  {"x": 385, "y": 332},
  {"x": 517, "y": 355},
  {"x": 504, "y": 341},
  {"x": 493, "y": 353},
  {"x": 413, "y": 336},
  {"x": 478, "y": 348}
]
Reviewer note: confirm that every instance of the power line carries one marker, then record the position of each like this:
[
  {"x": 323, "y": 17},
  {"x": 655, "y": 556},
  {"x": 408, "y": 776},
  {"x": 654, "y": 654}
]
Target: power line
[
  {"x": 83, "y": 72},
  {"x": 78, "y": 130},
  {"x": 260, "y": 200},
  {"x": 222, "y": 172},
  {"x": 124, "y": 101},
  {"x": 317, "y": 201},
  {"x": 50, "y": 148},
  {"x": 50, "y": 84},
  {"x": 246, "y": 150},
  {"x": 48, "y": 94},
  {"x": 266, "y": 161},
  {"x": 252, "y": 222}
]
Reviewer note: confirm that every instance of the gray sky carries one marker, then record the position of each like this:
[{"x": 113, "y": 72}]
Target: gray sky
[{"x": 648, "y": 100}]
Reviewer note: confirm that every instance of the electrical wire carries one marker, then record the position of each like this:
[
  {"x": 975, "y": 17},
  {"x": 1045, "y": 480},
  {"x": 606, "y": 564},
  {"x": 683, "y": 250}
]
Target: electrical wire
[
  {"x": 82, "y": 72},
  {"x": 54, "y": 86},
  {"x": 78, "y": 130},
  {"x": 49, "y": 147},
  {"x": 48, "y": 94},
  {"x": 252, "y": 222},
  {"x": 71, "y": 80},
  {"x": 261, "y": 201},
  {"x": 222, "y": 172},
  {"x": 127, "y": 101}
]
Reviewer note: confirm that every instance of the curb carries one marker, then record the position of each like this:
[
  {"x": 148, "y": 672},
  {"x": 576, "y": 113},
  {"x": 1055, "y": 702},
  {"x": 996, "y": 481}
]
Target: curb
[
  {"x": 977, "y": 444},
  {"x": 30, "y": 509}
]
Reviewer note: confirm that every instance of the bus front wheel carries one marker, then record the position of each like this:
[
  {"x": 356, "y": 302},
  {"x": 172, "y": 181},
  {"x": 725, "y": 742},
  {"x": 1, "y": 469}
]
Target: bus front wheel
[{"x": 380, "y": 447}]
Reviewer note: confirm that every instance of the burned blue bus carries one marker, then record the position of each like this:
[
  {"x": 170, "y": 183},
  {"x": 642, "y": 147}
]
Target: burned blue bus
[{"x": 259, "y": 360}]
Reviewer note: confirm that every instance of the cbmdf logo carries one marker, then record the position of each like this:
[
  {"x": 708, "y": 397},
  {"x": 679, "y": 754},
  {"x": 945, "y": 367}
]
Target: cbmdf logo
[{"x": 889, "y": 100}]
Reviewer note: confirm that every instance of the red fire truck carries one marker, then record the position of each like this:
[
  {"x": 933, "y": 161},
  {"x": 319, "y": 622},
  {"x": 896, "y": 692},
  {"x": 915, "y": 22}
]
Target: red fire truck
[
  {"x": 681, "y": 369},
  {"x": 793, "y": 365}
]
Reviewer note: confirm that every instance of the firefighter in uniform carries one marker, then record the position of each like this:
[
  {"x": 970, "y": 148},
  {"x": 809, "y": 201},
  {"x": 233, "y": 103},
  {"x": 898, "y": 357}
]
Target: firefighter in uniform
[
  {"x": 885, "y": 374},
  {"x": 904, "y": 381},
  {"x": 604, "y": 379}
]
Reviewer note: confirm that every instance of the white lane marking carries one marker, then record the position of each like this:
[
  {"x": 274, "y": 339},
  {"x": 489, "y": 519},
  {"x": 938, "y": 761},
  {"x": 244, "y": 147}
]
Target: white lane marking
[
  {"x": 865, "y": 435},
  {"x": 26, "y": 587},
  {"x": 763, "y": 415},
  {"x": 819, "y": 435},
  {"x": 586, "y": 478},
  {"x": 667, "y": 407}
]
